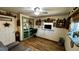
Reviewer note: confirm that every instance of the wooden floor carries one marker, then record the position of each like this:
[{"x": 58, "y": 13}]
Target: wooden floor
[{"x": 40, "y": 44}]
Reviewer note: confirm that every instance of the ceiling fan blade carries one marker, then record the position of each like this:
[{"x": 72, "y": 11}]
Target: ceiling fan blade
[{"x": 44, "y": 12}]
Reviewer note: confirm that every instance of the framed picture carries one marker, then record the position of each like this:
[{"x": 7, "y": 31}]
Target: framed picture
[
  {"x": 38, "y": 22},
  {"x": 31, "y": 22}
]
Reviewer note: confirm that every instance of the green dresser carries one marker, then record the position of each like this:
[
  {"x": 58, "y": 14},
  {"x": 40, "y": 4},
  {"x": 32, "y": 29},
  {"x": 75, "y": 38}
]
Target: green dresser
[
  {"x": 29, "y": 32},
  {"x": 26, "y": 33}
]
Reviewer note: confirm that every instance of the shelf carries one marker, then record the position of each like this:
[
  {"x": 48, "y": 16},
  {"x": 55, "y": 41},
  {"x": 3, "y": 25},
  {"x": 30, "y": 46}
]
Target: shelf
[{"x": 74, "y": 12}]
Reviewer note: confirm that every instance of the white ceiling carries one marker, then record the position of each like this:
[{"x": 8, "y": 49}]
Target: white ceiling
[{"x": 46, "y": 10}]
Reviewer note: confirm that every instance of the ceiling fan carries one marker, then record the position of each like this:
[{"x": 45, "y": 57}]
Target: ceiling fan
[{"x": 36, "y": 10}]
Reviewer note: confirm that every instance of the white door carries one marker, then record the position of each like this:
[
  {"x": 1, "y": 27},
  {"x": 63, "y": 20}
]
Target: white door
[{"x": 7, "y": 34}]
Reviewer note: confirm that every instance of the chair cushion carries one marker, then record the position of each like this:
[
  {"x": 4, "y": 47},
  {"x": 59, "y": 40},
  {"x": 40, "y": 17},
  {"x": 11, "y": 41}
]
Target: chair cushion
[
  {"x": 15, "y": 46},
  {"x": 18, "y": 48},
  {"x": 12, "y": 45},
  {"x": 2, "y": 47}
]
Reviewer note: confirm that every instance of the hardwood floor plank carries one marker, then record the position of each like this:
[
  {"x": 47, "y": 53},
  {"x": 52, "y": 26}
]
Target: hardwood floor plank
[{"x": 40, "y": 44}]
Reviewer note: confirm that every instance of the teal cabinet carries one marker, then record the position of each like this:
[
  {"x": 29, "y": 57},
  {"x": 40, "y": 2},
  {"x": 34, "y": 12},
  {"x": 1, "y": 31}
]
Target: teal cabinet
[
  {"x": 29, "y": 32},
  {"x": 26, "y": 34}
]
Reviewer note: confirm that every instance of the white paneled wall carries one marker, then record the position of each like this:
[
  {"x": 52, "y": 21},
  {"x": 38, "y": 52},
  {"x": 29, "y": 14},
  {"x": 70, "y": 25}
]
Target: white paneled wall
[
  {"x": 52, "y": 35},
  {"x": 7, "y": 34}
]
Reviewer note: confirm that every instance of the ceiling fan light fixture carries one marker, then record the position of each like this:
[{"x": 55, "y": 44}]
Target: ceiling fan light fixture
[
  {"x": 37, "y": 13},
  {"x": 37, "y": 10}
]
